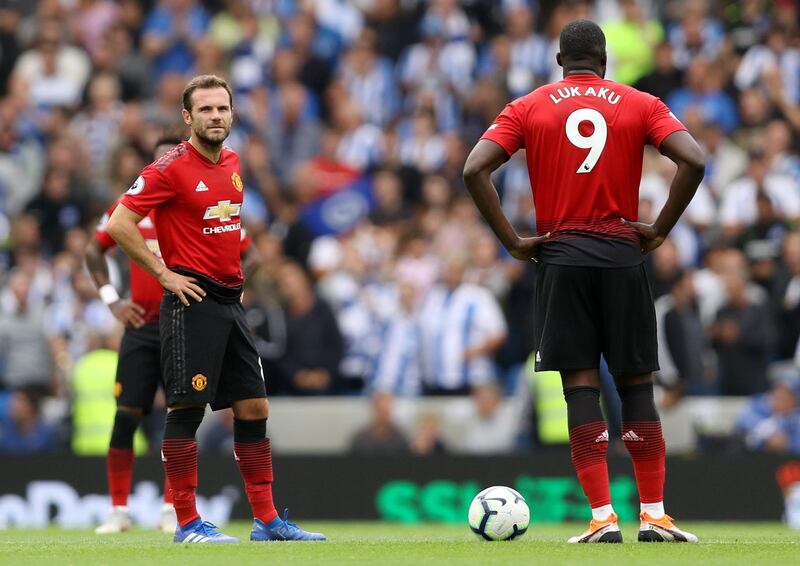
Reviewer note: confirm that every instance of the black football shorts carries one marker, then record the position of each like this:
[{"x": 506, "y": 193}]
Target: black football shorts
[
  {"x": 139, "y": 367},
  {"x": 583, "y": 312},
  {"x": 207, "y": 353}
]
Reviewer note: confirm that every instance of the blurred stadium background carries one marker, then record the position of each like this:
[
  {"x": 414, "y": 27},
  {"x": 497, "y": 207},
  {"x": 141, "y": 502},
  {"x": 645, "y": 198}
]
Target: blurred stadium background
[{"x": 395, "y": 333}]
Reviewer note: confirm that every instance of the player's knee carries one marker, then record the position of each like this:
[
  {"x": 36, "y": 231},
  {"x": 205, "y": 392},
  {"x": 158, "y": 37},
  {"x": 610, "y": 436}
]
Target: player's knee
[
  {"x": 183, "y": 422},
  {"x": 623, "y": 381},
  {"x": 580, "y": 378},
  {"x": 125, "y": 424},
  {"x": 132, "y": 410},
  {"x": 251, "y": 409}
]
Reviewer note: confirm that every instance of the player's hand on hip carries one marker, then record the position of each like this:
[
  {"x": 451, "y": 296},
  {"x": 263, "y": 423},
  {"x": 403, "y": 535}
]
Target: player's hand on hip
[
  {"x": 527, "y": 249},
  {"x": 184, "y": 287},
  {"x": 648, "y": 235},
  {"x": 128, "y": 313}
]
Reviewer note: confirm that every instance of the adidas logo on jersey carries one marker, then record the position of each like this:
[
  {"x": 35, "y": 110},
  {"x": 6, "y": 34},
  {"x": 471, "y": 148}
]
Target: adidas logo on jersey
[
  {"x": 602, "y": 438},
  {"x": 631, "y": 436},
  {"x": 201, "y": 186}
]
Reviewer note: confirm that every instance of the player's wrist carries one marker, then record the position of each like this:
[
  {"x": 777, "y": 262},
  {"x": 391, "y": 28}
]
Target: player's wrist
[{"x": 108, "y": 294}]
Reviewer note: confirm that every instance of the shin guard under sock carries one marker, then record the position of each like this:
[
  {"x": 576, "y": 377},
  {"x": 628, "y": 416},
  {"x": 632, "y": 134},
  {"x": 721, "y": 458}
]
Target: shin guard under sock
[
  {"x": 179, "y": 453},
  {"x": 588, "y": 441},
  {"x": 119, "y": 463},
  {"x": 254, "y": 458},
  {"x": 642, "y": 435}
]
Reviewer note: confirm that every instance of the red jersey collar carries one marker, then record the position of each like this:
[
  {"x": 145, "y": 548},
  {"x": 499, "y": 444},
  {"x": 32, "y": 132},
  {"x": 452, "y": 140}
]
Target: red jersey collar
[{"x": 202, "y": 157}]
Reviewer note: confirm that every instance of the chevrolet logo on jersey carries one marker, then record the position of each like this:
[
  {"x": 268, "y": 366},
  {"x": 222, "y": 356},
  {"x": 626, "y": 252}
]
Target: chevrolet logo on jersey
[{"x": 224, "y": 211}]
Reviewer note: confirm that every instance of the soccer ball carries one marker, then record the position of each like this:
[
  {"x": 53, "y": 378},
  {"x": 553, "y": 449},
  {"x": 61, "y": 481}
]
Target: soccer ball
[{"x": 499, "y": 513}]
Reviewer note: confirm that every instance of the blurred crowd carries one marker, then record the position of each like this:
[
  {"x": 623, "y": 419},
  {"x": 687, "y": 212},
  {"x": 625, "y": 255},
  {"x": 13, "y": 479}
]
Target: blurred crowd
[{"x": 353, "y": 119}]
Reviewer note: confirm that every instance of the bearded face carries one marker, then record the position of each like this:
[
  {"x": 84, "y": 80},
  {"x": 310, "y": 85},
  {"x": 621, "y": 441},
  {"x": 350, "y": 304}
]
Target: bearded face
[{"x": 211, "y": 116}]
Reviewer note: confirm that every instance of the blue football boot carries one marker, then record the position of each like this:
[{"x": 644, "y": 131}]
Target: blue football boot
[
  {"x": 201, "y": 531},
  {"x": 281, "y": 529}
]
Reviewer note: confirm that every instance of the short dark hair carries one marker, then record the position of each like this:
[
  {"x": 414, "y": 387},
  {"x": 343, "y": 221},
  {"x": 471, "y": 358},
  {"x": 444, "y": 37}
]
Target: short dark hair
[
  {"x": 169, "y": 140},
  {"x": 204, "y": 81},
  {"x": 581, "y": 40}
]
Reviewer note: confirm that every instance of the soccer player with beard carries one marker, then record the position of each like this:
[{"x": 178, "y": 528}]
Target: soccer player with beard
[
  {"x": 207, "y": 352},
  {"x": 139, "y": 365},
  {"x": 584, "y": 138}
]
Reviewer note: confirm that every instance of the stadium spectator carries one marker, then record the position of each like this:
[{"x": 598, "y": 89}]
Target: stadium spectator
[
  {"x": 291, "y": 132},
  {"x": 681, "y": 343},
  {"x": 427, "y": 439},
  {"x": 703, "y": 96},
  {"x": 739, "y": 207},
  {"x": 369, "y": 79},
  {"x": 771, "y": 421},
  {"x": 24, "y": 346},
  {"x": 462, "y": 326},
  {"x": 170, "y": 35},
  {"x": 56, "y": 209},
  {"x": 381, "y": 437},
  {"x": 786, "y": 298},
  {"x": 696, "y": 34},
  {"x": 99, "y": 124},
  {"x": 742, "y": 336},
  {"x": 490, "y": 425},
  {"x": 665, "y": 78},
  {"x": 776, "y": 52},
  {"x": 397, "y": 368},
  {"x": 53, "y": 72},
  {"x": 631, "y": 42},
  {"x": 22, "y": 429},
  {"x": 725, "y": 161},
  {"x": 22, "y": 161},
  {"x": 310, "y": 365}
]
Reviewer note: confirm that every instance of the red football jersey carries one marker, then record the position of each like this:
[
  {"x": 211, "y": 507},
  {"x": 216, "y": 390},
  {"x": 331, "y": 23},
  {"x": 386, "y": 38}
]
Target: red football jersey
[
  {"x": 584, "y": 140},
  {"x": 146, "y": 291},
  {"x": 197, "y": 207}
]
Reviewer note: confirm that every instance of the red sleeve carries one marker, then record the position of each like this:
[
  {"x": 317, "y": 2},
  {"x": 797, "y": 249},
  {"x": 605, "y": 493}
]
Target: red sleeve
[
  {"x": 245, "y": 242},
  {"x": 100, "y": 233},
  {"x": 661, "y": 123},
  {"x": 149, "y": 190},
  {"x": 507, "y": 130}
]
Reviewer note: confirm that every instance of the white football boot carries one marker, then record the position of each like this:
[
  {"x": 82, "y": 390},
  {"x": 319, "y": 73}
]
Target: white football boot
[
  {"x": 662, "y": 530},
  {"x": 168, "y": 521},
  {"x": 118, "y": 521},
  {"x": 600, "y": 531}
]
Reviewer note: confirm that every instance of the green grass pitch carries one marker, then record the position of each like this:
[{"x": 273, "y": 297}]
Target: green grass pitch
[{"x": 384, "y": 544}]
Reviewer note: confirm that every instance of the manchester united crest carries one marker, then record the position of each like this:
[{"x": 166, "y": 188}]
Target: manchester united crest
[
  {"x": 237, "y": 182},
  {"x": 199, "y": 382}
]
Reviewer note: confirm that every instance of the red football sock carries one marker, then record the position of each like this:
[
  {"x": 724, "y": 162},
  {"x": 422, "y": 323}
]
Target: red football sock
[
  {"x": 180, "y": 462},
  {"x": 255, "y": 463},
  {"x": 167, "y": 491},
  {"x": 588, "y": 442},
  {"x": 119, "y": 469},
  {"x": 589, "y": 445},
  {"x": 645, "y": 443}
]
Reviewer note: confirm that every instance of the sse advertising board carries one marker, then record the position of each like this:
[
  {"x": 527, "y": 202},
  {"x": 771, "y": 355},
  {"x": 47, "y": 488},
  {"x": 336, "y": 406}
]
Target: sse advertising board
[{"x": 70, "y": 492}]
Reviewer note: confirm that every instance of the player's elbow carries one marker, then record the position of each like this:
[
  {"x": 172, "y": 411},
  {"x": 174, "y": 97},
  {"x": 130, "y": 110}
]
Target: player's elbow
[
  {"x": 115, "y": 226},
  {"x": 696, "y": 162},
  {"x": 472, "y": 170}
]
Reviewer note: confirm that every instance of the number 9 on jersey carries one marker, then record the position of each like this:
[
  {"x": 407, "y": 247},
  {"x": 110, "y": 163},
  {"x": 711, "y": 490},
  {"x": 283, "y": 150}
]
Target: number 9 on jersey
[{"x": 595, "y": 143}]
